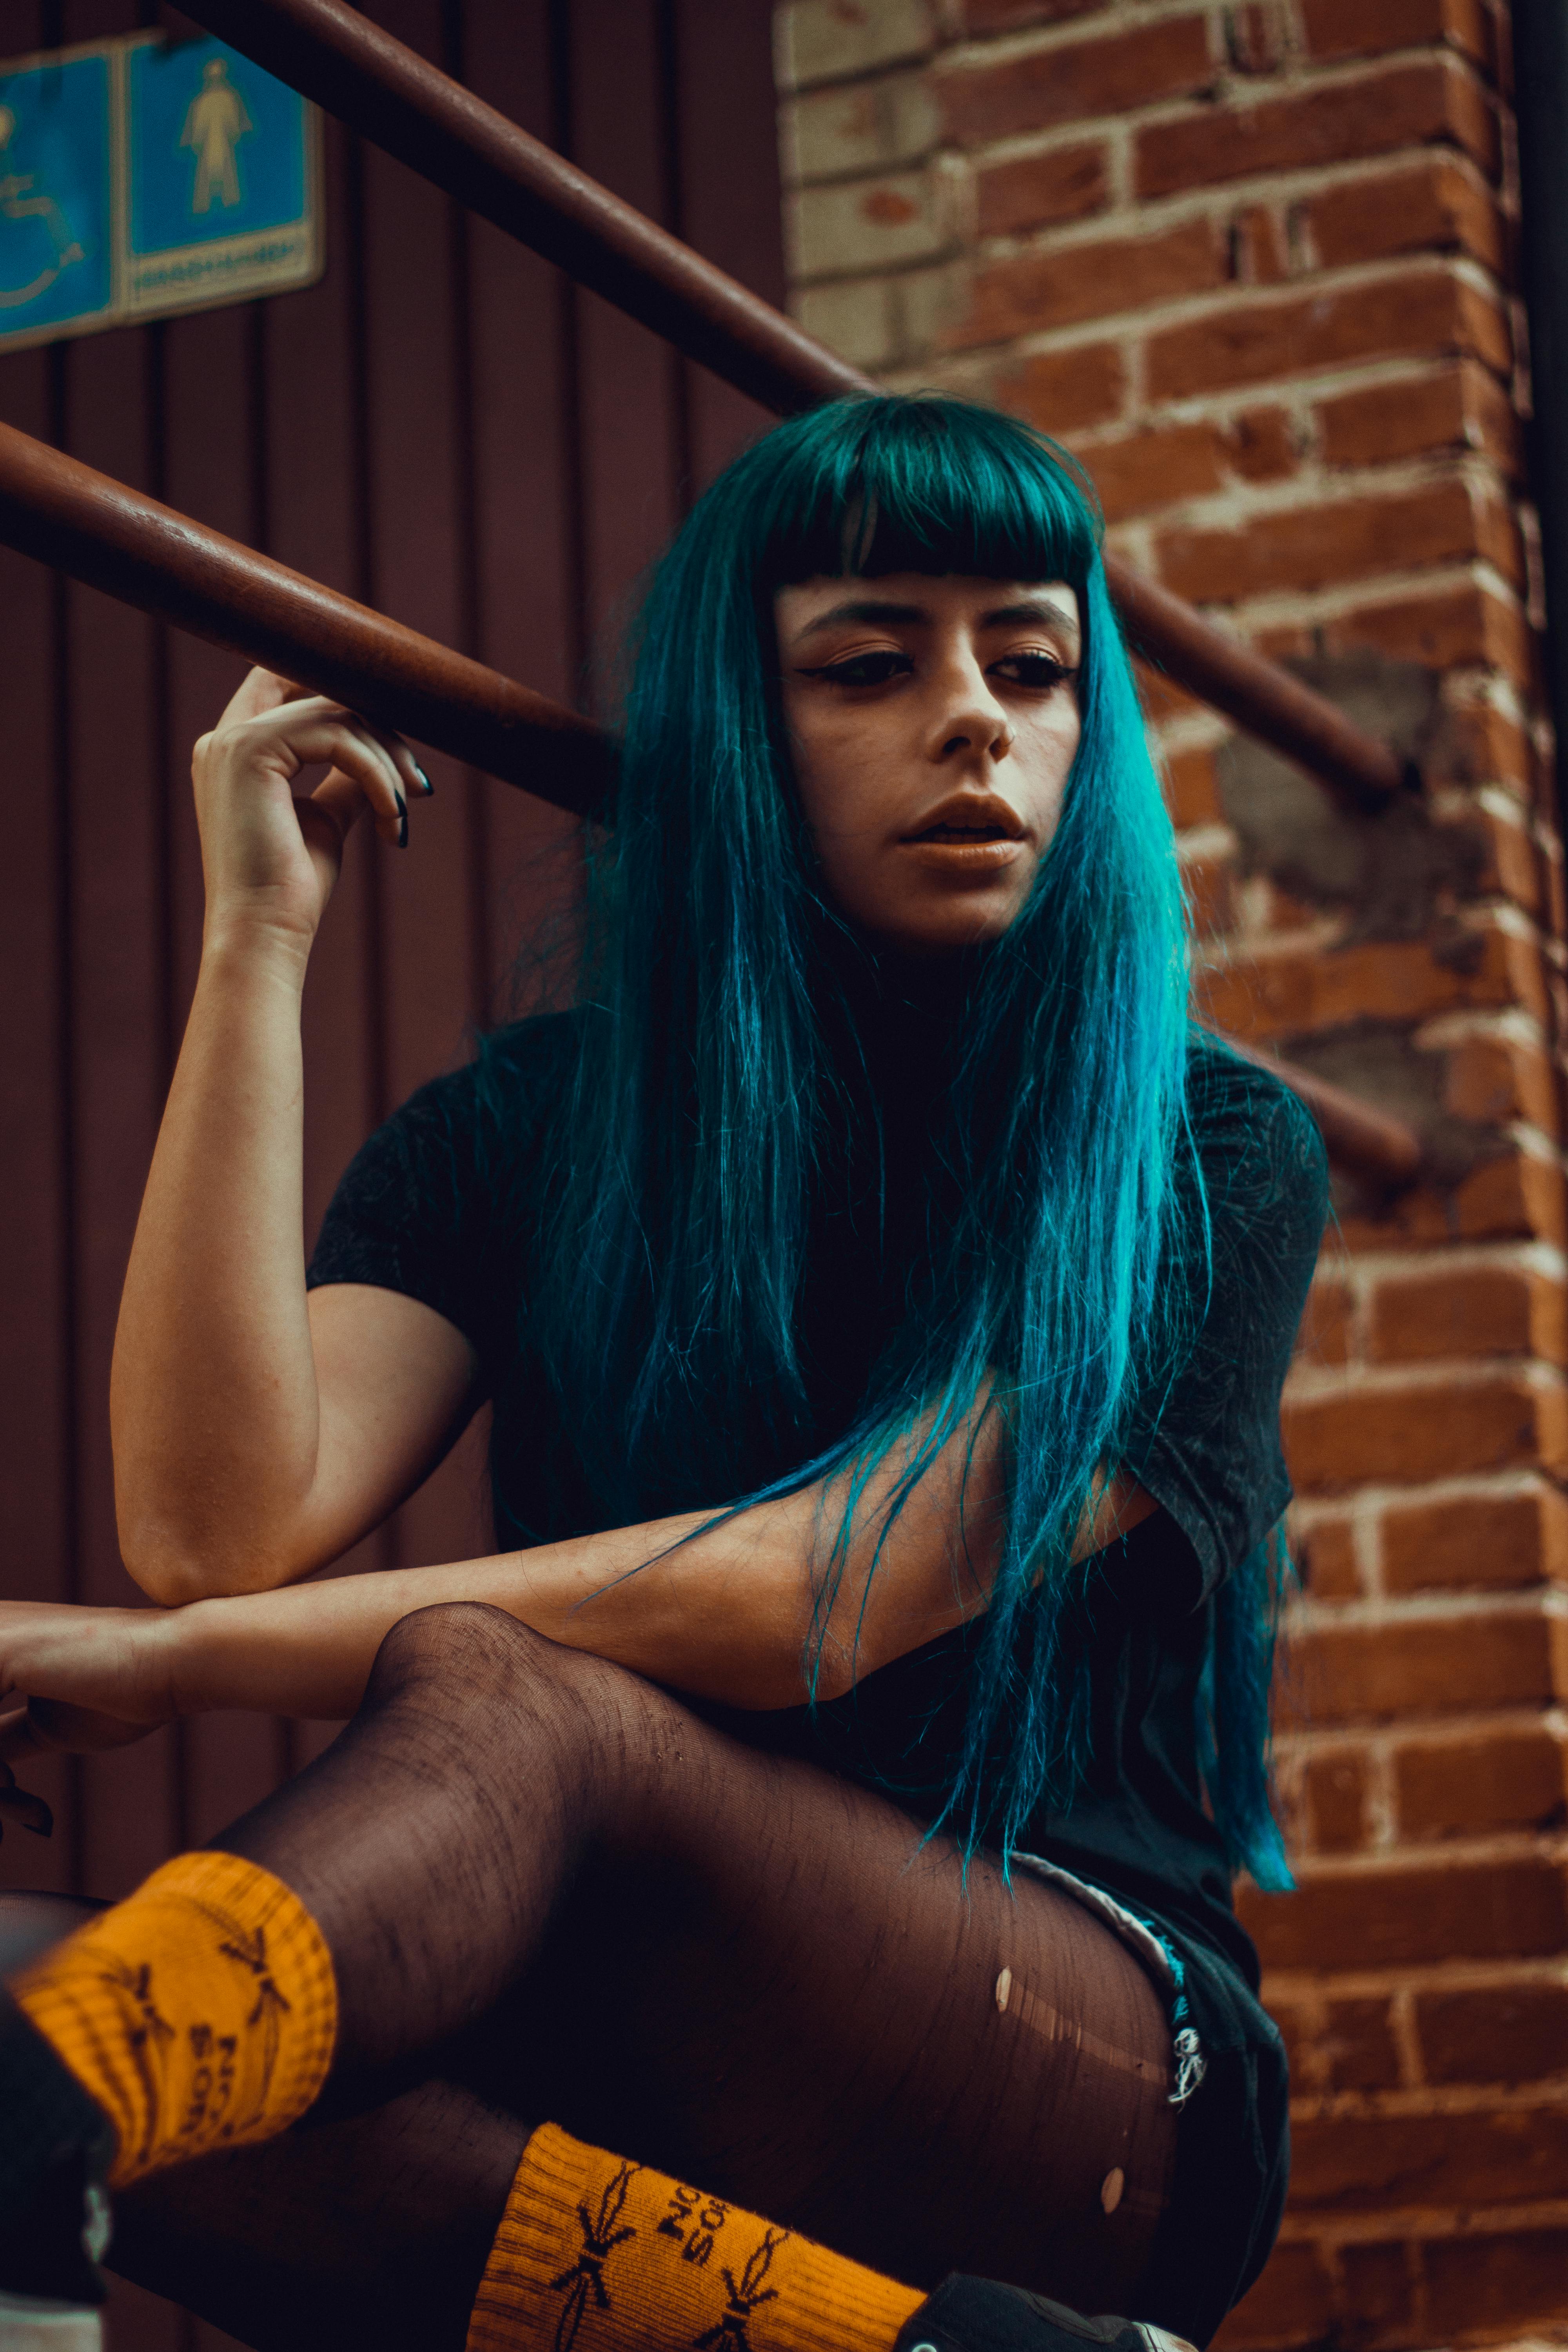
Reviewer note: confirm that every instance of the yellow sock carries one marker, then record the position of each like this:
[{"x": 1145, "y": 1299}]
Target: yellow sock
[
  {"x": 606, "y": 2255},
  {"x": 199, "y": 2013}
]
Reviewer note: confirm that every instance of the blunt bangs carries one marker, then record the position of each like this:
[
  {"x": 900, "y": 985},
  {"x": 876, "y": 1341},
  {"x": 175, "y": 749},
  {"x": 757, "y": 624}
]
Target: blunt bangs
[{"x": 920, "y": 483}]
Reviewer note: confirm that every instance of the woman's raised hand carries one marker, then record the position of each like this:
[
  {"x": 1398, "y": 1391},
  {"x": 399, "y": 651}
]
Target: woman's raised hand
[{"x": 267, "y": 857}]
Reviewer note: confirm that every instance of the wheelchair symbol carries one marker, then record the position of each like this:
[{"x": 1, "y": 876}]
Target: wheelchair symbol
[{"x": 17, "y": 203}]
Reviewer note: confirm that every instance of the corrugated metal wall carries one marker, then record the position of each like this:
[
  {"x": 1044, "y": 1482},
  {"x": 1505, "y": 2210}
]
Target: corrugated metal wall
[{"x": 447, "y": 430}]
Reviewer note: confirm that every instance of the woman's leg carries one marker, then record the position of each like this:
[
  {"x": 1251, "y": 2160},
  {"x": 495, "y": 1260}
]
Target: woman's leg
[{"x": 766, "y": 1984}]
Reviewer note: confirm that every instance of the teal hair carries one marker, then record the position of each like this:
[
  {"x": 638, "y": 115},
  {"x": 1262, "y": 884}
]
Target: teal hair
[{"x": 700, "y": 1112}]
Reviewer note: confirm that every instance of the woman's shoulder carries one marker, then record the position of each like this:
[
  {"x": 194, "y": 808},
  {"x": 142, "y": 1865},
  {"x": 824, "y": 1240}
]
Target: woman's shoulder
[
  {"x": 513, "y": 1070},
  {"x": 1255, "y": 1138}
]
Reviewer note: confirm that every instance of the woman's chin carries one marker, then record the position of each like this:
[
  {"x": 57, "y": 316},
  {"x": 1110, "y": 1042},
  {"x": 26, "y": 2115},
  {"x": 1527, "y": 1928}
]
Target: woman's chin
[{"x": 928, "y": 932}]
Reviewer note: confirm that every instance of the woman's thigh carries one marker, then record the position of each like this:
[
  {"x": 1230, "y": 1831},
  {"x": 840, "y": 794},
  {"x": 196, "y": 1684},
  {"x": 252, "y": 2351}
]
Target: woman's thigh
[{"x": 791, "y": 2000}]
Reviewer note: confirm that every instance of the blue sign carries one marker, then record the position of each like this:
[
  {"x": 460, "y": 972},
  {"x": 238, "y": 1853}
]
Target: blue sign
[
  {"x": 57, "y": 229},
  {"x": 139, "y": 177}
]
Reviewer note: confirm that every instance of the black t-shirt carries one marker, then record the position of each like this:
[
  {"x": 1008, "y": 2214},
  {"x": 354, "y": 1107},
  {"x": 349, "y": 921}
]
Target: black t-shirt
[{"x": 444, "y": 1204}]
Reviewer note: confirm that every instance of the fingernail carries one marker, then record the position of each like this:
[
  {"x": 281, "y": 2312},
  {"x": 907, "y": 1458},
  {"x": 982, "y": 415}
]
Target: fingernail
[
  {"x": 422, "y": 777},
  {"x": 402, "y": 821}
]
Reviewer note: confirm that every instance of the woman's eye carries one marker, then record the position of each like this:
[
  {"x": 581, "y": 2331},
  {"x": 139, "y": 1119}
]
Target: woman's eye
[
  {"x": 1038, "y": 670},
  {"x": 865, "y": 669}
]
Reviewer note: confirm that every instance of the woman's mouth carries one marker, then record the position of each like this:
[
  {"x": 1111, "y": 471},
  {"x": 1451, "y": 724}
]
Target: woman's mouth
[{"x": 963, "y": 833}]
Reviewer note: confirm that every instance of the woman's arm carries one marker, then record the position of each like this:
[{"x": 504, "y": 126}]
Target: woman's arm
[
  {"x": 725, "y": 1616},
  {"x": 256, "y": 1436}
]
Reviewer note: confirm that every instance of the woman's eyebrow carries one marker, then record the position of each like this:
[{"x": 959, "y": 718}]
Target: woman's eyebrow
[
  {"x": 865, "y": 608},
  {"x": 1035, "y": 608}
]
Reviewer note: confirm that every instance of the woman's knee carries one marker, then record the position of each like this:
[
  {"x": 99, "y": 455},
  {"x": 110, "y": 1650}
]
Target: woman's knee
[{"x": 477, "y": 1661}]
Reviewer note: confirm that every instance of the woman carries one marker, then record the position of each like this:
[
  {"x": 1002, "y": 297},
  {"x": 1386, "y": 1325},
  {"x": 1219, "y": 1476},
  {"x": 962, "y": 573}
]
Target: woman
[{"x": 883, "y": 1297}]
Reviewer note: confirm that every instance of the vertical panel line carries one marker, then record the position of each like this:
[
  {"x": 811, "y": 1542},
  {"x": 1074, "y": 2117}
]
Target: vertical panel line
[
  {"x": 59, "y": 406},
  {"x": 667, "y": 36},
  {"x": 570, "y": 340},
  {"x": 377, "y": 1043},
  {"x": 471, "y": 618}
]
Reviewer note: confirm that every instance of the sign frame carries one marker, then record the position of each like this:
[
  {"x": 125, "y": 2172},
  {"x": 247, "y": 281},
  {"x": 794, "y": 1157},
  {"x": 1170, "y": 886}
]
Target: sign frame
[{"x": 127, "y": 307}]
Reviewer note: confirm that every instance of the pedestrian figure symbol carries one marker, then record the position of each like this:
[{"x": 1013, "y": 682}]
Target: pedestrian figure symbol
[
  {"x": 214, "y": 123},
  {"x": 18, "y": 202}
]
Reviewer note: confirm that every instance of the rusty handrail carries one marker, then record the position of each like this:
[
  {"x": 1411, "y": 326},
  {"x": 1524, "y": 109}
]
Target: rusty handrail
[
  {"x": 421, "y": 116},
  {"x": 66, "y": 514}
]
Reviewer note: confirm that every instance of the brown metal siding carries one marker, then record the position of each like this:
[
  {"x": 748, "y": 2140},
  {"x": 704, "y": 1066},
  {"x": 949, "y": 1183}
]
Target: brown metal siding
[{"x": 445, "y": 429}]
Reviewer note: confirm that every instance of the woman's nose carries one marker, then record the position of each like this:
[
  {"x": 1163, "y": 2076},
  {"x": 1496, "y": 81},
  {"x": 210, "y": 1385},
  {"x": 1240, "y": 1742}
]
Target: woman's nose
[{"x": 970, "y": 717}]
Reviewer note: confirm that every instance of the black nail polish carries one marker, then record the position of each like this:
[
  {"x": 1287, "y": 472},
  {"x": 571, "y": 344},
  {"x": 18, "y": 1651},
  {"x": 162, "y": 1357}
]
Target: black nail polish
[
  {"x": 423, "y": 778},
  {"x": 402, "y": 821}
]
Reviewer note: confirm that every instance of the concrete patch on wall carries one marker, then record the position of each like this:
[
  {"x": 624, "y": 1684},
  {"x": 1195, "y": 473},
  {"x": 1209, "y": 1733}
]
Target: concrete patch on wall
[
  {"x": 1385, "y": 1066},
  {"x": 1396, "y": 874}
]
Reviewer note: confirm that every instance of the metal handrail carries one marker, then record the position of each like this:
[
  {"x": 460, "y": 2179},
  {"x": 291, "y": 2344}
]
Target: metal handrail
[
  {"x": 83, "y": 522},
  {"x": 396, "y": 99}
]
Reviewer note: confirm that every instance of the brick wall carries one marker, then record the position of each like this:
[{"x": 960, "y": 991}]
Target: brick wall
[{"x": 1253, "y": 263}]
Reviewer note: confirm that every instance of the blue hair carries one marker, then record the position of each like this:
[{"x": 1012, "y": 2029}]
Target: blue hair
[{"x": 696, "y": 1122}]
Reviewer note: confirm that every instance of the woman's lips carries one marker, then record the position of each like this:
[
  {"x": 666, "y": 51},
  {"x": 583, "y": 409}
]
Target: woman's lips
[{"x": 946, "y": 848}]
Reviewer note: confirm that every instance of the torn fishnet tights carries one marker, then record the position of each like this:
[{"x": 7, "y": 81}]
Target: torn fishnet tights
[{"x": 550, "y": 1892}]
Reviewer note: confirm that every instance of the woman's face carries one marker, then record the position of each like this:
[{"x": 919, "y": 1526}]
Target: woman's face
[{"x": 932, "y": 723}]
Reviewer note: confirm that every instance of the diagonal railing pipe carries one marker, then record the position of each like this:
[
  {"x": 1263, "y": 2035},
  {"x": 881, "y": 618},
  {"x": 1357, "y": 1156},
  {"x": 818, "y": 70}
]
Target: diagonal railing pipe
[
  {"x": 420, "y": 115},
  {"x": 82, "y": 522}
]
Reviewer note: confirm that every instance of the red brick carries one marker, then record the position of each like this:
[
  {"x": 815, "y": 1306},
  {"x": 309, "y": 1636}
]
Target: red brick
[
  {"x": 1256, "y": 36},
  {"x": 1461, "y": 625},
  {"x": 1315, "y": 546},
  {"x": 1259, "y": 253},
  {"x": 1327, "y": 1561},
  {"x": 1461, "y": 409},
  {"x": 1323, "y": 1335},
  {"x": 1414, "y": 1666},
  {"x": 1192, "y": 790},
  {"x": 1479, "y": 1311},
  {"x": 1346, "y": 1915},
  {"x": 1334, "y": 1787},
  {"x": 1412, "y": 314},
  {"x": 1513, "y": 864},
  {"x": 1067, "y": 392},
  {"x": 1496, "y": 2034},
  {"x": 1161, "y": 464},
  {"x": 1433, "y": 99},
  {"x": 1435, "y": 206},
  {"x": 1402, "y": 1435},
  {"x": 1466, "y": 1782},
  {"x": 1349, "y": 28},
  {"x": 1012, "y": 15},
  {"x": 1076, "y": 81},
  {"x": 1034, "y": 190},
  {"x": 1376, "y": 2283},
  {"x": 1260, "y": 445},
  {"x": 1483, "y": 1540},
  {"x": 1292, "y": 2304},
  {"x": 1486, "y": 746},
  {"x": 1503, "y": 2283},
  {"x": 1511, "y": 1196},
  {"x": 1358, "y": 2050},
  {"x": 1496, "y": 2157},
  {"x": 1029, "y": 291},
  {"x": 1292, "y": 991},
  {"x": 1490, "y": 1079}
]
